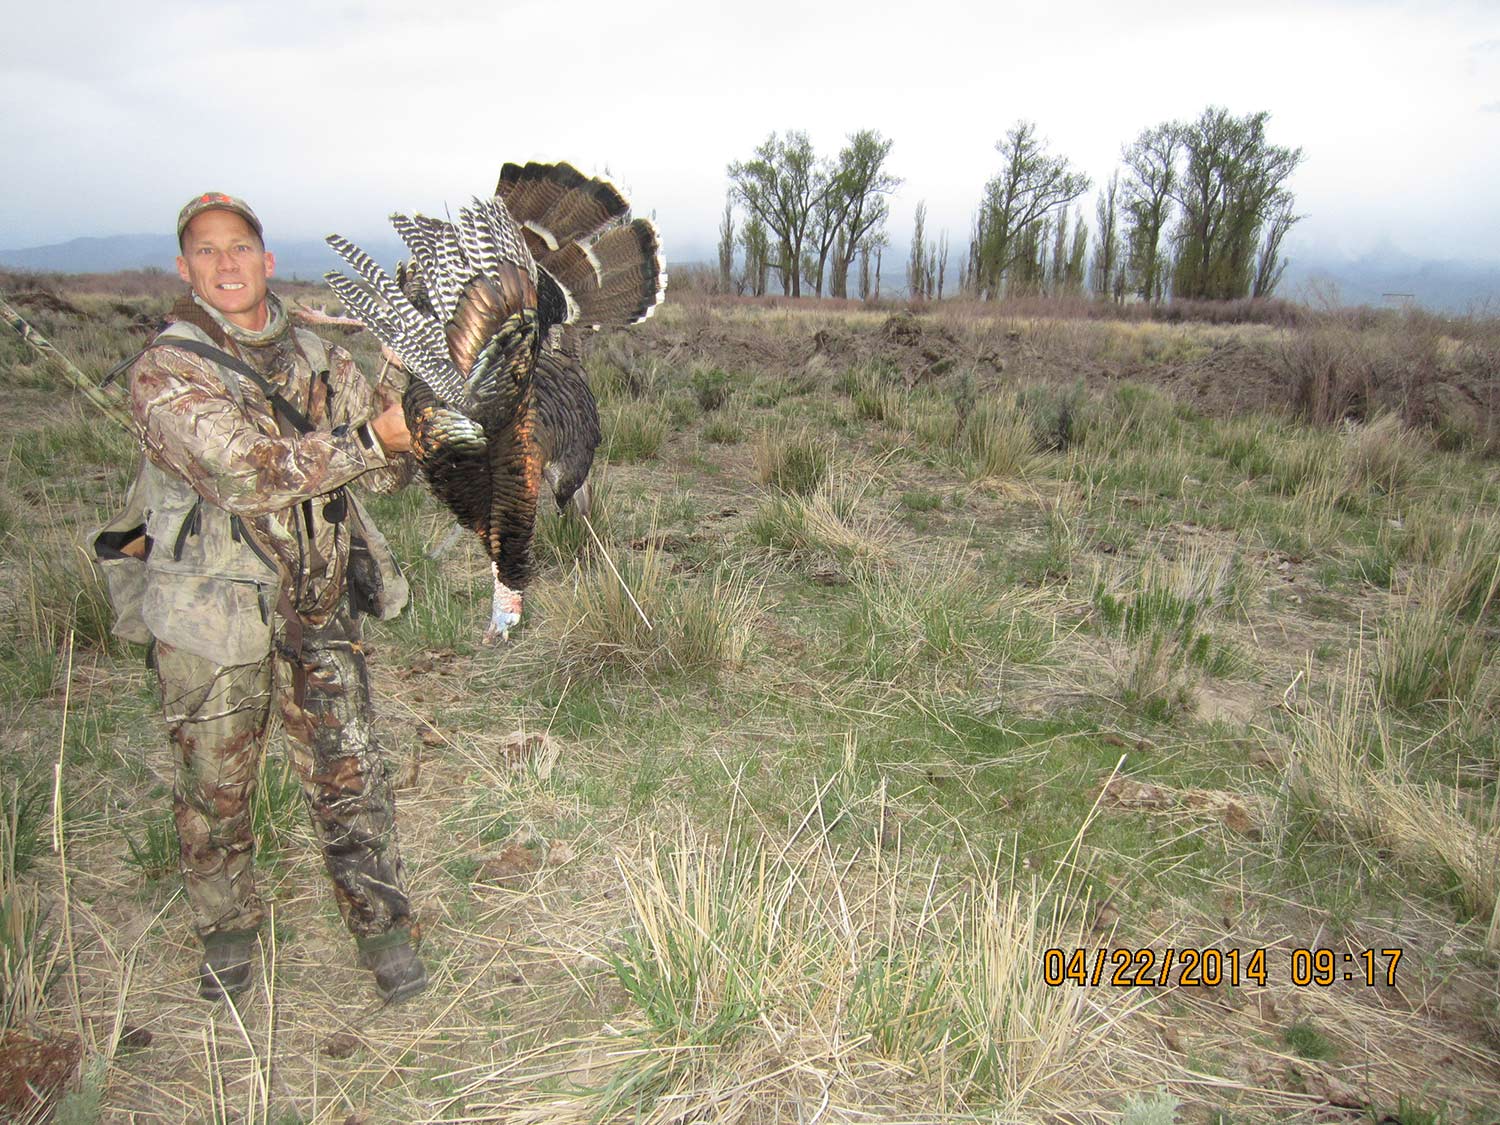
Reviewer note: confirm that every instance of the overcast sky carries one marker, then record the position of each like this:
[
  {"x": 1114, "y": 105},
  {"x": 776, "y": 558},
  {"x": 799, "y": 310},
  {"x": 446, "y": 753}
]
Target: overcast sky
[{"x": 327, "y": 115}]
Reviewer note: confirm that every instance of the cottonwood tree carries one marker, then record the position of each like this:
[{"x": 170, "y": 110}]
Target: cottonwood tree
[
  {"x": 870, "y": 247},
  {"x": 1031, "y": 185},
  {"x": 1269, "y": 264},
  {"x": 757, "y": 246},
  {"x": 825, "y": 226},
  {"x": 1232, "y": 184},
  {"x": 1028, "y": 272},
  {"x": 852, "y": 205},
  {"x": 1057, "y": 280},
  {"x": 1078, "y": 257},
  {"x": 1150, "y": 180},
  {"x": 916, "y": 265},
  {"x": 863, "y": 185},
  {"x": 782, "y": 186},
  {"x": 1107, "y": 246},
  {"x": 819, "y": 212},
  {"x": 726, "y": 247}
]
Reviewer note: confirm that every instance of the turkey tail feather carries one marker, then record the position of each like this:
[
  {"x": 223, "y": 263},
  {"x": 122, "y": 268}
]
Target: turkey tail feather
[
  {"x": 559, "y": 201},
  {"x": 614, "y": 278},
  {"x": 632, "y": 276}
]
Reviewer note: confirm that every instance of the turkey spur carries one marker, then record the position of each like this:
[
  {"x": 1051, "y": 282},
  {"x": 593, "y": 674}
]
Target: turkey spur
[{"x": 486, "y": 317}]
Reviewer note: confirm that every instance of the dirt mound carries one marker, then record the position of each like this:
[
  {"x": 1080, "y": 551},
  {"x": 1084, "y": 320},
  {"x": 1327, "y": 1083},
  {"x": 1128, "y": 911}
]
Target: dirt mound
[
  {"x": 915, "y": 348},
  {"x": 44, "y": 300}
]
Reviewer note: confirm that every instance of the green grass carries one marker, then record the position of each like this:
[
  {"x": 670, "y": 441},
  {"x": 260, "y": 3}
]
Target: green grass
[
  {"x": 921, "y": 500},
  {"x": 278, "y": 808},
  {"x": 633, "y": 431},
  {"x": 153, "y": 851},
  {"x": 723, "y": 429},
  {"x": 931, "y": 621},
  {"x": 815, "y": 824},
  {"x": 1305, "y": 1041},
  {"x": 1164, "y": 614}
]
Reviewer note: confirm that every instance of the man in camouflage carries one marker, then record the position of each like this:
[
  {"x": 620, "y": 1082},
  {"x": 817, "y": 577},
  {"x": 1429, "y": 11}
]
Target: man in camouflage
[{"x": 259, "y": 566}]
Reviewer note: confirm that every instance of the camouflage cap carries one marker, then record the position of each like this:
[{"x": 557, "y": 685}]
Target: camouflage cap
[{"x": 217, "y": 201}]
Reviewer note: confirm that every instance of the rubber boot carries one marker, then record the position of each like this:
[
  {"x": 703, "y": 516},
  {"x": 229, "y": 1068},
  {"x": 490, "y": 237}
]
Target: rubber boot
[
  {"x": 224, "y": 972},
  {"x": 399, "y": 972}
]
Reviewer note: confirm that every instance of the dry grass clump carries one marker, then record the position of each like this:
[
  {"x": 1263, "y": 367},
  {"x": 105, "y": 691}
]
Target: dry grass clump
[
  {"x": 794, "y": 462},
  {"x": 1307, "y": 462},
  {"x": 1426, "y": 653},
  {"x": 1326, "y": 474},
  {"x": 689, "y": 625},
  {"x": 834, "y": 520},
  {"x": 780, "y": 981},
  {"x": 932, "y": 622},
  {"x": 999, "y": 438},
  {"x": 1461, "y": 552},
  {"x": 1382, "y": 456},
  {"x": 1436, "y": 648},
  {"x": 1164, "y": 611},
  {"x": 29, "y": 949},
  {"x": 877, "y": 397},
  {"x": 1349, "y": 762},
  {"x": 722, "y": 429},
  {"x": 633, "y": 431}
]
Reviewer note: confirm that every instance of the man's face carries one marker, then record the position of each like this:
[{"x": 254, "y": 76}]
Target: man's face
[{"x": 225, "y": 263}]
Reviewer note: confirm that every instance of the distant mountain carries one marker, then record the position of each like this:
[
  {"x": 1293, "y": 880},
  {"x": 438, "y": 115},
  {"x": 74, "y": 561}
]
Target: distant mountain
[
  {"x": 1382, "y": 277},
  {"x": 304, "y": 259},
  {"x": 1387, "y": 277},
  {"x": 96, "y": 255}
]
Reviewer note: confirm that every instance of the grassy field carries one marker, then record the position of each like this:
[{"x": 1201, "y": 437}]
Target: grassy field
[{"x": 974, "y": 634}]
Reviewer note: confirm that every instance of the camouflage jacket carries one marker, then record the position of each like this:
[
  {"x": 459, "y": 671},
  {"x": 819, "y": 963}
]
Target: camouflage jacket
[{"x": 243, "y": 515}]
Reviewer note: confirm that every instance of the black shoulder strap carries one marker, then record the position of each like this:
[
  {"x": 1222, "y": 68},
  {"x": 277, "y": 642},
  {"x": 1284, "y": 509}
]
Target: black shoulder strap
[{"x": 297, "y": 419}]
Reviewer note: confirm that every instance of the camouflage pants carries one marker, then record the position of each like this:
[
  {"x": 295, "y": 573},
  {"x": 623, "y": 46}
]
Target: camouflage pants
[{"x": 217, "y": 717}]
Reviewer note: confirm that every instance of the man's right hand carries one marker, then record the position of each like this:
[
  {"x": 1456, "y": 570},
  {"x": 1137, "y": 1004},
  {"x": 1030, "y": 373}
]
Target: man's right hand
[{"x": 390, "y": 429}]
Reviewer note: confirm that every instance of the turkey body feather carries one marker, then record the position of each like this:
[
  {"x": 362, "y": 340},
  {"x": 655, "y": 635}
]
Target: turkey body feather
[{"x": 485, "y": 317}]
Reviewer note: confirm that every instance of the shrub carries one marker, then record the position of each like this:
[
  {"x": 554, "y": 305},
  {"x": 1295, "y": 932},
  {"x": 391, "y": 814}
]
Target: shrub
[{"x": 711, "y": 387}]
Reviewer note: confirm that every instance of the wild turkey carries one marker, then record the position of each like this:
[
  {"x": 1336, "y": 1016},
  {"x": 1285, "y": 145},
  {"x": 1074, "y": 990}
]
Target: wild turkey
[{"x": 485, "y": 318}]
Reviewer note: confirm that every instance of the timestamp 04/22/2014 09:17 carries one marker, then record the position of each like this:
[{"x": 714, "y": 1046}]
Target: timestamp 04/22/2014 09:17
[{"x": 1191, "y": 966}]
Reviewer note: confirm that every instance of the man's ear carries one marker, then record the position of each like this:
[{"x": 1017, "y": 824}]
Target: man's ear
[
  {"x": 270, "y": 263},
  {"x": 182, "y": 270}
]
